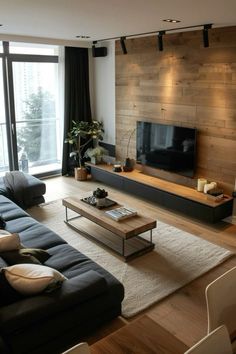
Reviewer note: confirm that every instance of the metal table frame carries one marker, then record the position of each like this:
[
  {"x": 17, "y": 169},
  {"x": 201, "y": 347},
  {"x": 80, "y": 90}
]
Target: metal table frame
[{"x": 148, "y": 244}]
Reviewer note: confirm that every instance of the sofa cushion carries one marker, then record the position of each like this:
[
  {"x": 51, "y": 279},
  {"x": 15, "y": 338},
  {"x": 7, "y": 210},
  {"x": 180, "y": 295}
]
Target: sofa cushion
[
  {"x": 9, "y": 210},
  {"x": 8, "y": 241},
  {"x": 30, "y": 279},
  {"x": 22, "y": 188},
  {"x": 34, "y": 234},
  {"x": 25, "y": 255},
  {"x": 15, "y": 257},
  {"x": 41, "y": 255},
  {"x": 63, "y": 257},
  {"x": 32, "y": 309},
  {"x": 8, "y": 295}
]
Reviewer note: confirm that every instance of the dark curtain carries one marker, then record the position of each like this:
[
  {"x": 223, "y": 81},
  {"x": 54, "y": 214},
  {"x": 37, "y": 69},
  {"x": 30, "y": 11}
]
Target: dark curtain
[{"x": 77, "y": 99}]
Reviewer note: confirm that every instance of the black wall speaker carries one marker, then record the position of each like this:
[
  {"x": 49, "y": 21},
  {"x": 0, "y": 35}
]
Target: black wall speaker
[{"x": 99, "y": 51}]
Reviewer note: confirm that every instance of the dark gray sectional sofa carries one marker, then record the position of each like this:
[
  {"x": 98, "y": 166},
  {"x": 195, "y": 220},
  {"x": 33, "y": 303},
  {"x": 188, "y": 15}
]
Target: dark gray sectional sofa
[{"x": 52, "y": 322}]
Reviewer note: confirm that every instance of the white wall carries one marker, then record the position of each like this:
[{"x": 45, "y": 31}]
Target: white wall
[{"x": 102, "y": 88}]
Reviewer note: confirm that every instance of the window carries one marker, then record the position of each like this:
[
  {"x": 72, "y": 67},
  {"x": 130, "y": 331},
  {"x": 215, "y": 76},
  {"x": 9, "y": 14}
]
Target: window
[
  {"x": 4, "y": 163},
  {"x": 35, "y": 49},
  {"x": 34, "y": 123}
]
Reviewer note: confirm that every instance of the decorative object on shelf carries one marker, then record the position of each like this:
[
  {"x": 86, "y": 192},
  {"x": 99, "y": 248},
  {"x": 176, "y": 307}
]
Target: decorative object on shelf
[
  {"x": 91, "y": 200},
  {"x": 200, "y": 184},
  {"x": 128, "y": 165},
  {"x": 215, "y": 194},
  {"x": 209, "y": 186},
  {"x": 95, "y": 154},
  {"x": 86, "y": 131},
  {"x": 117, "y": 167},
  {"x": 100, "y": 195}
]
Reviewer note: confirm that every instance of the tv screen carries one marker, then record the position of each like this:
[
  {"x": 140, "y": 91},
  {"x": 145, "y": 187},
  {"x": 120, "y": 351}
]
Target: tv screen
[{"x": 166, "y": 147}]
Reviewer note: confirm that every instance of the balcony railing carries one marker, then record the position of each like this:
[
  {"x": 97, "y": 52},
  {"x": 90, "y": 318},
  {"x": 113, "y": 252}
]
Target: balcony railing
[{"x": 38, "y": 144}]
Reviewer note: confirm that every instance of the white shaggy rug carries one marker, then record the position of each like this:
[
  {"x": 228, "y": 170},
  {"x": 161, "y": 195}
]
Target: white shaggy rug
[{"x": 178, "y": 258}]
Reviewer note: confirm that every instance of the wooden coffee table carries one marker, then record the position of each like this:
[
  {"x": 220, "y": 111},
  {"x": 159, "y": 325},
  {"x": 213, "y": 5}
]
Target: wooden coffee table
[{"x": 122, "y": 237}]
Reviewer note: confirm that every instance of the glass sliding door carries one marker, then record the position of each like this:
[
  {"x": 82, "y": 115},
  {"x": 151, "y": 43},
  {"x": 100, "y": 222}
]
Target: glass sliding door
[
  {"x": 4, "y": 161},
  {"x": 37, "y": 122},
  {"x": 30, "y": 119}
]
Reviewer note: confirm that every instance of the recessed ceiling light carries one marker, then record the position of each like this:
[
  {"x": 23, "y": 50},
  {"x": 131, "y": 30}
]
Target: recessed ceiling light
[
  {"x": 83, "y": 37},
  {"x": 171, "y": 20}
]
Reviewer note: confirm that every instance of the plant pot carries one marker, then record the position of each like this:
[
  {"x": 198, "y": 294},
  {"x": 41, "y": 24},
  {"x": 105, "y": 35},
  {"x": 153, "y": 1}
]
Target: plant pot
[
  {"x": 96, "y": 160},
  {"x": 101, "y": 201},
  {"x": 81, "y": 174}
]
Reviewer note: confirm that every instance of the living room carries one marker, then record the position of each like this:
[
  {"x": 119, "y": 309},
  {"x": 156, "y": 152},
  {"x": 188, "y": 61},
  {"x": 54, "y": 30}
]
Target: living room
[{"x": 176, "y": 75}]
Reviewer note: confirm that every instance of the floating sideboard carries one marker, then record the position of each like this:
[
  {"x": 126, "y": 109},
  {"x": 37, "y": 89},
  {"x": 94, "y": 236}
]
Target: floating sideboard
[{"x": 167, "y": 194}]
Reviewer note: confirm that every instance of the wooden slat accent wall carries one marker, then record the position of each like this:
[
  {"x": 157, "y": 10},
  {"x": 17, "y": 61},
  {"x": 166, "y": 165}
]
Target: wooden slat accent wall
[{"x": 186, "y": 85}]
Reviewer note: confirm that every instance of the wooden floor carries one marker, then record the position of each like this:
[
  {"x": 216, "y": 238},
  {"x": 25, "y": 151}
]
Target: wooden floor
[{"x": 184, "y": 312}]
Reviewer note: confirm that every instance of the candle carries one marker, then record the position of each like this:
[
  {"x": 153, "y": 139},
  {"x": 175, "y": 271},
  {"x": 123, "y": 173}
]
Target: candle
[
  {"x": 200, "y": 184},
  {"x": 235, "y": 185}
]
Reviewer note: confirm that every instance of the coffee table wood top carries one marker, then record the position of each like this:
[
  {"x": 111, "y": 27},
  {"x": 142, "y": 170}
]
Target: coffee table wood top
[
  {"x": 142, "y": 336},
  {"x": 125, "y": 228}
]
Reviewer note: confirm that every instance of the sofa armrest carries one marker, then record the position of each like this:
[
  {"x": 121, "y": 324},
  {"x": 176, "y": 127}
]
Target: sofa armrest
[{"x": 32, "y": 309}]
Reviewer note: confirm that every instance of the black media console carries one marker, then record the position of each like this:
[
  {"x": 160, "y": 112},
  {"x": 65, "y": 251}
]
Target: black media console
[{"x": 167, "y": 194}]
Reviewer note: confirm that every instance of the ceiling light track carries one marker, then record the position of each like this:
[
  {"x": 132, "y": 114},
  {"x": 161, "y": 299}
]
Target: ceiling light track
[{"x": 155, "y": 32}]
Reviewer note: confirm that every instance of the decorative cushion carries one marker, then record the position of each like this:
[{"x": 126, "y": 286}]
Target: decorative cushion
[
  {"x": 16, "y": 257},
  {"x": 41, "y": 255},
  {"x": 8, "y": 241},
  {"x": 25, "y": 255},
  {"x": 30, "y": 279}
]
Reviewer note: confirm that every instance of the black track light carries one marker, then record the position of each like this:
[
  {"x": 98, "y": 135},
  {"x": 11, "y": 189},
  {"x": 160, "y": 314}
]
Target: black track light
[
  {"x": 123, "y": 46},
  {"x": 160, "y": 40},
  {"x": 205, "y": 35},
  {"x": 93, "y": 48}
]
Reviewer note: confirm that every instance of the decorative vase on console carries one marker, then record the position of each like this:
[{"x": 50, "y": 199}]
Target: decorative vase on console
[
  {"x": 96, "y": 152},
  {"x": 128, "y": 165},
  {"x": 100, "y": 195}
]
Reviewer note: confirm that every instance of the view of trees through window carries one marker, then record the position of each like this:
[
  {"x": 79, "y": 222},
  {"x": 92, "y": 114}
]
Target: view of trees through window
[
  {"x": 38, "y": 132},
  {"x": 35, "y": 125}
]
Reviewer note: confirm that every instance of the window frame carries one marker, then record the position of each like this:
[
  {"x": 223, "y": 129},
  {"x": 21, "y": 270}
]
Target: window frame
[{"x": 7, "y": 61}]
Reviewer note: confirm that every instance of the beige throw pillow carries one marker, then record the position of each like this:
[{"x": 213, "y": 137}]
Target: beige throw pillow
[
  {"x": 8, "y": 241},
  {"x": 30, "y": 279}
]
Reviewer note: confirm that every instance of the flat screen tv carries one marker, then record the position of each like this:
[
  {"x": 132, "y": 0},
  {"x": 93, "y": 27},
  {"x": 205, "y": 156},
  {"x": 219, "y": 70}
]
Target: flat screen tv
[{"x": 166, "y": 147}]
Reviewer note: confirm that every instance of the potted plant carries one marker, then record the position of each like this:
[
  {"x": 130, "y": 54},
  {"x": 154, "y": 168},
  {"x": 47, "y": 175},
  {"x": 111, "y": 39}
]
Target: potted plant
[
  {"x": 80, "y": 135},
  {"x": 95, "y": 154},
  {"x": 100, "y": 195}
]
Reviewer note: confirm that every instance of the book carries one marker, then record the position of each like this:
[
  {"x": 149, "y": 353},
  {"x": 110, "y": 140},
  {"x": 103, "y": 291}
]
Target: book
[{"x": 121, "y": 213}]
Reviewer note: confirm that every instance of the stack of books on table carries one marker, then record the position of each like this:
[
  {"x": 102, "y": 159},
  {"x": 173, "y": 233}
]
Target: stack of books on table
[{"x": 121, "y": 213}]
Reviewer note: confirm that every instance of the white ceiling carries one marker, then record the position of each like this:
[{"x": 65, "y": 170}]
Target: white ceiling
[{"x": 64, "y": 19}]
